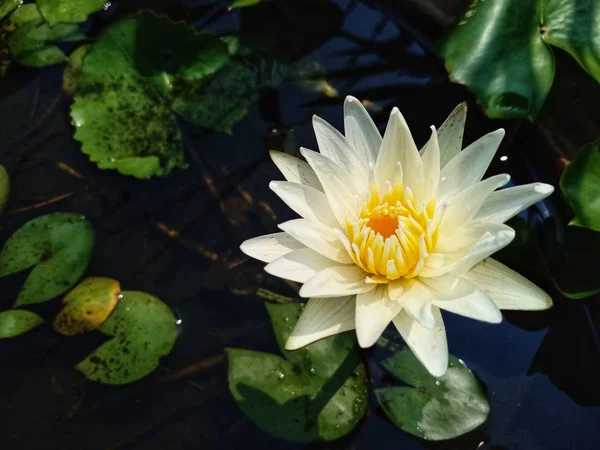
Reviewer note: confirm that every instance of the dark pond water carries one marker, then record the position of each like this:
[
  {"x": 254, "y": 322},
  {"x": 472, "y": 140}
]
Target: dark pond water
[{"x": 178, "y": 238}]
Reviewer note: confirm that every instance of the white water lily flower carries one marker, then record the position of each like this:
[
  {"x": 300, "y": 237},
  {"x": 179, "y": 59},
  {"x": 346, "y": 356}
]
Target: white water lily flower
[{"x": 392, "y": 234}]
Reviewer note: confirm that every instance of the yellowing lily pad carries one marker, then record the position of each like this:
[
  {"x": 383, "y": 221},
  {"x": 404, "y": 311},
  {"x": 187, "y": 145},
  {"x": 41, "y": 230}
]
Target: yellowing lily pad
[
  {"x": 17, "y": 321},
  {"x": 4, "y": 187},
  {"x": 87, "y": 306},
  {"x": 431, "y": 408},
  {"x": 312, "y": 394},
  {"x": 57, "y": 246},
  {"x": 68, "y": 11},
  {"x": 144, "y": 330}
]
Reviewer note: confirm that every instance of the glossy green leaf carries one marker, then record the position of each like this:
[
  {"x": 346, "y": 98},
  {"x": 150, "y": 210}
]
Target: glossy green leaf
[
  {"x": 144, "y": 329},
  {"x": 68, "y": 11},
  {"x": 315, "y": 393},
  {"x": 57, "y": 246},
  {"x": 87, "y": 306},
  {"x": 21, "y": 16},
  {"x": 32, "y": 44},
  {"x": 73, "y": 69},
  {"x": 129, "y": 94},
  {"x": 573, "y": 26},
  {"x": 496, "y": 51},
  {"x": 243, "y": 3},
  {"x": 580, "y": 182},
  {"x": 4, "y": 187},
  {"x": 17, "y": 321},
  {"x": 8, "y": 6},
  {"x": 434, "y": 409}
]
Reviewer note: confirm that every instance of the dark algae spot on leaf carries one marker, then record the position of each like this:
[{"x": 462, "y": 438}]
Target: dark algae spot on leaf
[
  {"x": 58, "y": 245},
  {"x": 315, "y": 393},
  {"x": 143, "y": 330}
]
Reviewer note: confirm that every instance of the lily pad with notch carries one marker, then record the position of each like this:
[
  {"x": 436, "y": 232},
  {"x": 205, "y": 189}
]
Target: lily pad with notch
[
  {"x": 58, "y": 246},
  {"x": 143, "y": 328},
  {"x": 431, "y": 408},
  {"x": 311, "y": 394}
]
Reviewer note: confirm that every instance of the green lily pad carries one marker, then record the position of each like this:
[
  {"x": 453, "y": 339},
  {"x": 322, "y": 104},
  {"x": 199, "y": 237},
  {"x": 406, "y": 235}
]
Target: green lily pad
[
  {"x": 243, "y": 3},
  {"x": 87, "y": 306},
  {"x": 500, "y": 50},
  {"x": 4, "y": 187},
  {"x": 21, "y": 16},
  {"x": 435, "y": 409},
  {"x": 32, "y": 43},
  {"x": 58, "y": 245},
  {"x": 315, "y": 393},
  {"x": 68, "y": 11},
  {"x": 8, "y": 6},
  {"x": 17, "y": 321},
  {"x": 580, "y": 182},
  {"x": 73, "y": 69},
  {"x": 144, "y": 329},
  {"x": 138, "y": 76}
]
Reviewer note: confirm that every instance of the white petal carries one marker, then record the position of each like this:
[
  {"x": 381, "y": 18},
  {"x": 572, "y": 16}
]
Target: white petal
[
  {"x": 374, "y": 312},
  {"x": 299, "y": 265},
  {"x": 395, "y": 289},
  {"x": 430, "y": 156},
  {"x": 337, "y": 185},
  {"x": 416, "y": 300},
  {"x": 361, "y": 131},
  {"x": 465, "y": 237},
  {"x": 398, "y": 146},
  {"x": 469, "y": 165},
  {"x": 448, "y": 287},
  {"x": 477, "y": 305},
  {"x": 428, "y": 344},
  {"x": 450, "y": 134},
  {"x": 269, "y": 247},
  {"x": 460, "y": 261},
  {"x": 507, "y": 288},
  {"x": 502, "y": 205},
  {"x": 335, "y": 282},
  {"x": 321, "y": 238},
  {"x": 305, "y": 201},
  {"x": 321, "y": 318},
  {"x": 466, "y": 204},
  {"x": 295, "y": 170}
]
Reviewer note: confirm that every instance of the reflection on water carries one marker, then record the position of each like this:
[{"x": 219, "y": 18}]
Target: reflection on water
[{"x": 178, "y": 238}]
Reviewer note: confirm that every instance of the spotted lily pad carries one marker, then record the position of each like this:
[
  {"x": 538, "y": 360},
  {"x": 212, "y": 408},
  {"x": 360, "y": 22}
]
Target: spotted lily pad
[
  {"x": 138, "y": 76},
  {"x": 87, "y": 306},
  {"x": 315, "y": 393},
  {"x": 68, "y": 11},
  {"x": 33, "y": 43},
  {"x": 431, "y": 408},
  {"x": 57, "y": 246},
  {"x": 4, "y": 187},
  {"x": 580, "y": 182},
  {"x": 17, "y": 321},
  {"x": 501, "y": 50},
  {"x": 144, "y": 329}
]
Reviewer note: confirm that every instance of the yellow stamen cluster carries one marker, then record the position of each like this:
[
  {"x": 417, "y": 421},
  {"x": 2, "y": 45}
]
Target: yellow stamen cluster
[{"x": 392, "y": 236}]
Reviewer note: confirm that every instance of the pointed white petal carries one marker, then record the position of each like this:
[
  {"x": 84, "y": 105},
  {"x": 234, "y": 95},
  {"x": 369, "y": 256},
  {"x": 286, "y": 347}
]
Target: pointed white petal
[
  {"x": 448, "y": 287},
  {"x": 416, "y": 300},
  {"x": 361, "y": 131},
  {"x": 450, "y": 134},
  {"x": 466, "y": 204},
  {"x": 321, "y": 318},
  {"x": 507, "y": 288},
  {"x": 335, "y": 282},
  {"x": 398, "y": 146},
  {"x": 319, "y": 237},
  {"x": 430, "y": 156},
  {"x": 395, "y": 289},
  {"x": 469, "y": 165},
  {"x": 269, "y": 247},
  {"x": 333, "y": 145},
  {"x": 374, "y": 312},
  {"x": 502, "y": 205},
  {"x": 477, "y": 305},
  {"x": 305, "y": 201},
  {"x": 295, "y": 170},
  {"x": 337, "y": 185},
  {"x": 299, "y": 265},
  {"x": 463, "y": 238},
  {"x": 428, "y": 344}
]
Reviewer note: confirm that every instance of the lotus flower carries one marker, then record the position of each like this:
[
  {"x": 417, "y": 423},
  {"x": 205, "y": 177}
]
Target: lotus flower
[{"x": 392, "y": 234}]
